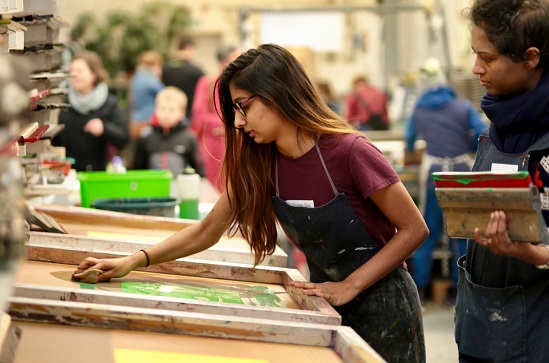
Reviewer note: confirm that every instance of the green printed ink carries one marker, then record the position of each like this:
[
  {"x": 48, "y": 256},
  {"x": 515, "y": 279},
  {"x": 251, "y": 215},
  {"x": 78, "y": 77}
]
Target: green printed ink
[
  {"x": 438, "y": 176},
  {"x": 265, "y": 297},
  {"x": 86, "y": 286},
  {"x": 181, "y": 291},
  {"x": 234, "y": 295},
  {"x": 464, "y": 181}
]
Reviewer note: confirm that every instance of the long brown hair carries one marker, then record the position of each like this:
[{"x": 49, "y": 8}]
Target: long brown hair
[{"x": 276, "y": 76}]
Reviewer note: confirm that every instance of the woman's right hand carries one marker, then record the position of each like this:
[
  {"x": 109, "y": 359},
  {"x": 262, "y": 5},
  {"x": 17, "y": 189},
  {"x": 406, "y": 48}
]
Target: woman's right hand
[
  {"x": 112, "y": 267},
  {"x": 95, "y": 127},
  {"x": 189, "y": 240}
]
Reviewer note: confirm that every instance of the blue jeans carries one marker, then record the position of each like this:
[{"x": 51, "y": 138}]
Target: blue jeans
[{"x": 422, "y": 259}]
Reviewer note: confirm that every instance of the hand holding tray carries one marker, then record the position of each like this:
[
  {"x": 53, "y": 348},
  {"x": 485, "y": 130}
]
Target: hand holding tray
[{"x": 468, "y": 198}]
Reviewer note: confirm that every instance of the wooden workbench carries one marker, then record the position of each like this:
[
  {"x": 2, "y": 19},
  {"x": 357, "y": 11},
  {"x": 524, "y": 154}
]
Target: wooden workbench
[
  {"x": 87, "y": 333},
  {"x": 69, "y": 344}
]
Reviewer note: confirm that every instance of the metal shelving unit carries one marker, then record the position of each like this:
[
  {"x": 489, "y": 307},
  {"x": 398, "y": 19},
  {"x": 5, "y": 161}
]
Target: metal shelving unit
[{"x": 30, "y": 32}]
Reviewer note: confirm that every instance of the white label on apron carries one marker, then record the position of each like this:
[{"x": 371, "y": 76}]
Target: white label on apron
[
  {"x": 301, "y": 203},
  {"x": 545, "y": 163},
  {"x": 544, "y": 198},
  {"x": 504, "y": 167}
]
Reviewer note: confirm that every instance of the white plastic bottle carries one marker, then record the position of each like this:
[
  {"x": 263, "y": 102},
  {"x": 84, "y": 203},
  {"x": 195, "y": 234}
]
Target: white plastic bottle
[{"x": 188, "y": 193}]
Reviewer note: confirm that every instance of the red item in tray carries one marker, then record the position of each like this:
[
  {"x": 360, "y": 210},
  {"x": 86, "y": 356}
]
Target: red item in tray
[
  {"x": 59, "y": 165},
  {"x": 483, "y": 179}
]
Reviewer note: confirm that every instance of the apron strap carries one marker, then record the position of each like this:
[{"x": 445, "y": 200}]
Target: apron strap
[
  {"x": 326, "y": 170},
  {"x": 323, "y": 165}
]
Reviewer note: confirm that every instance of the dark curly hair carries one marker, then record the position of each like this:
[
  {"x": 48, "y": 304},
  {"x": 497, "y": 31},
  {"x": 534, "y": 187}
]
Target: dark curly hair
[{"x": 514, "y": 26}]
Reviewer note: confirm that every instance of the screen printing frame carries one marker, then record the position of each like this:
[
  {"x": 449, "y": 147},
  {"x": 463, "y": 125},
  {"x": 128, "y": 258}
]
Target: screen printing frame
[
  {"x": 342, "y": 339},
  {"x": 312, "y": 309},
  {"x": 233, "y": 249}
]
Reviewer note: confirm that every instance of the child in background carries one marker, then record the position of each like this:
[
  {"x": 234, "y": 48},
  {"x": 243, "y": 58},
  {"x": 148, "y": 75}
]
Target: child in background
[{"x": 169, "y": 144}]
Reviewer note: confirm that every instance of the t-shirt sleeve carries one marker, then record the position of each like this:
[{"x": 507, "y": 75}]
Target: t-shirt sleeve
[{"x": 370, "y": 169}]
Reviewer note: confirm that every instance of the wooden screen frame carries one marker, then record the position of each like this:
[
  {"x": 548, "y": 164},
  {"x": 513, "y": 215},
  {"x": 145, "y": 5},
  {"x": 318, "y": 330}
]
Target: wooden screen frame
[
  {"x": 344, "y": 340},
  {"x": 93, "y": 217},
  {"x": 313, "y": 309}
]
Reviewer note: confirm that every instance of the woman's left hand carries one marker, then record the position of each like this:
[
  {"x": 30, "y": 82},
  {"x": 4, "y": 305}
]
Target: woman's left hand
[
  {"x": 496, "y": 237},
  {"x": 497, "y": 240},
  {"x": 335, "y": 293}
]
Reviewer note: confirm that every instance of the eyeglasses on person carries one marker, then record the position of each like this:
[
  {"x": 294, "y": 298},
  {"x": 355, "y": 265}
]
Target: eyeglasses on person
[{"x": 238, "y": 105}]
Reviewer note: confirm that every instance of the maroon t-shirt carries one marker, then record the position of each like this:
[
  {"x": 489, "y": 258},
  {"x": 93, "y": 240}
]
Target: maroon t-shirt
[{"x": 357, "y": 168}]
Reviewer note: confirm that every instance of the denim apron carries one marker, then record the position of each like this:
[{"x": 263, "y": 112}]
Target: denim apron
[
  {"x": 387, "y": 315},
  {"x": 502, "y": 307}
]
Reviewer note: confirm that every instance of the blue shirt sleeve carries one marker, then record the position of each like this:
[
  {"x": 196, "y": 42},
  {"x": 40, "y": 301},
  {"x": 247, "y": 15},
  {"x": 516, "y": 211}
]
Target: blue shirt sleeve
[{"x": 157, "y": 85}]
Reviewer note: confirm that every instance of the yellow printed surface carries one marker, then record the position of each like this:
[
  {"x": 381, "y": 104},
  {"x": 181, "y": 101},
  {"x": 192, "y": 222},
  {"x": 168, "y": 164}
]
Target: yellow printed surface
[{"x": 143, "y": 356}]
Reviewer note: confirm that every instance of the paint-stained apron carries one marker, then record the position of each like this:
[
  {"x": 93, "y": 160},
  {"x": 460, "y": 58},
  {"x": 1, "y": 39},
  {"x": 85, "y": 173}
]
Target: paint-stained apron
[
  {"x": 502, "y": 307},
  {"x": 387, "y": 315}
]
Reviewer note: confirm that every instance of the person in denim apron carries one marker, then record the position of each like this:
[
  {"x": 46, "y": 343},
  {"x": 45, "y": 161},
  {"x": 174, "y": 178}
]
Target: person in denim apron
[
  {"x": 502, "y": 309},
  {"x": 450, "y": 127},
  {"x": 291, "y": 159}
]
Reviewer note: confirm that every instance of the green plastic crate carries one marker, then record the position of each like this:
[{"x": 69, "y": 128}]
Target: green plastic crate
[{"x": 133, "y": 183}]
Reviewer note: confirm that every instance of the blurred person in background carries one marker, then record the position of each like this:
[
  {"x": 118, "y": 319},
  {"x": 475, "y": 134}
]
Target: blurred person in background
[
  {"x": 206, "y": 123},
  {"x": 366, "y": 106},
  {"x": 181, "y": 72},
  {"x": 94, "y": 122},
  {"x": 326, "y": 92},
  {"x": 145, "y": 85},
  {"x": 450, "y": 127}
]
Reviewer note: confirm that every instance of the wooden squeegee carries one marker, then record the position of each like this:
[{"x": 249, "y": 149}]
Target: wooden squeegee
[{"x": 468, "y": 199}]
